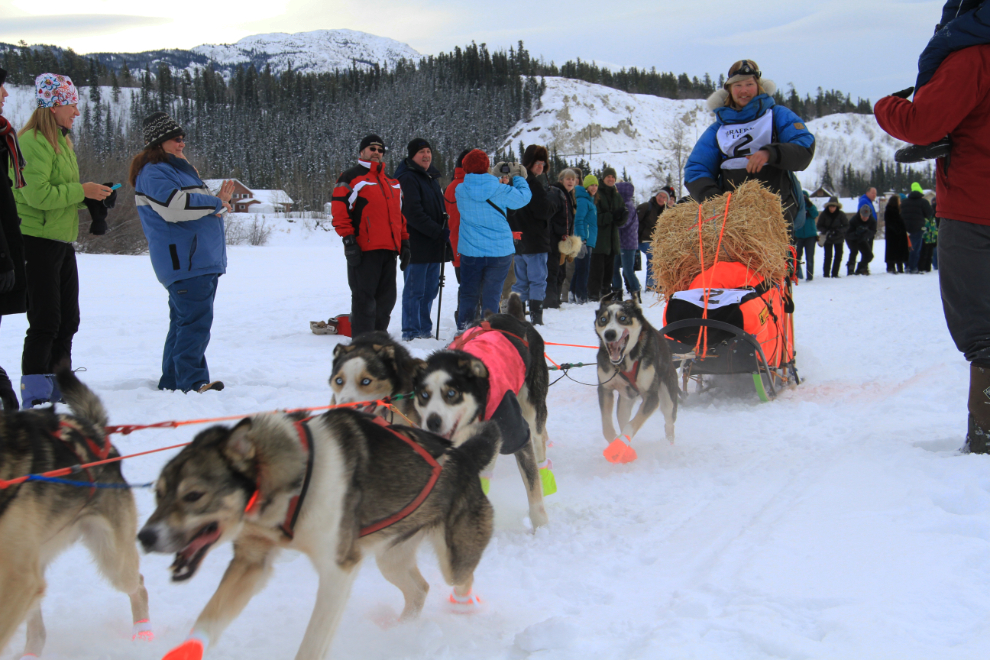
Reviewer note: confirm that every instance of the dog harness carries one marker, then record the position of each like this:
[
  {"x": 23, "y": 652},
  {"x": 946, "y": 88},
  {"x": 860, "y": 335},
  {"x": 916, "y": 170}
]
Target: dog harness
[
  {"x": 631, "y": 375},
  {"x": 67, "y": 427},
  {"x": 295, "y": 504},
  {"x": 506, "y": 369}
]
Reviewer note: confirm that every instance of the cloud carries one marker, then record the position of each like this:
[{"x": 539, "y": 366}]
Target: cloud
[{"x": 14, "y": 28}]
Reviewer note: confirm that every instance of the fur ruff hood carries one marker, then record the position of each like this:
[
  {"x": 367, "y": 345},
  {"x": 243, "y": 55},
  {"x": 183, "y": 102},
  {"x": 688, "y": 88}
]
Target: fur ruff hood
[{"x": 717, "y": 100}]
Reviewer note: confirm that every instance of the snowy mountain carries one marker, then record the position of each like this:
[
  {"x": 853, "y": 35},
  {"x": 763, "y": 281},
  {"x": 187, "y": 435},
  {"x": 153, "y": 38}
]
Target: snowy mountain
[
  {"x": 648, "y": 135},
  {"x": 319, "y": 51}
]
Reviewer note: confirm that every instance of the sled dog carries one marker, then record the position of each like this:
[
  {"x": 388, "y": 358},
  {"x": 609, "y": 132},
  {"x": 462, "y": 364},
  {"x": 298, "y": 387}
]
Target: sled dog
[
  {"x": 462, "y": 386},
  {"x": 39, "y": 520},
  {"x": 334, "y": 487},
  {"x": 374, "y": 366},
  {"x": 634, "y": 362}
]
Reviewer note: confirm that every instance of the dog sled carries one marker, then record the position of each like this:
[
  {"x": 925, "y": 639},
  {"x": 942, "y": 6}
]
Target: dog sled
[{"x": 732, "y": 321}]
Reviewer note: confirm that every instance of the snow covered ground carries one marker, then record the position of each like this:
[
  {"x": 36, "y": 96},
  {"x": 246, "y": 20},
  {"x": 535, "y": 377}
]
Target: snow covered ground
[{"x": 836, "y": 522}]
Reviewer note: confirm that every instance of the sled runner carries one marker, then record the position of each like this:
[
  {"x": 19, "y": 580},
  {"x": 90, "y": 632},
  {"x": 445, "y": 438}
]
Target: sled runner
[{"x": 733, "y": 322}]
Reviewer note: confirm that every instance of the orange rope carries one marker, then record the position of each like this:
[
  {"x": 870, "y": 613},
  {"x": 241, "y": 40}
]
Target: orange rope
[
  {"x": 550, "y": 343},
  {"x": 551, "y": 360},
  {"x": 703, "y": 332}
]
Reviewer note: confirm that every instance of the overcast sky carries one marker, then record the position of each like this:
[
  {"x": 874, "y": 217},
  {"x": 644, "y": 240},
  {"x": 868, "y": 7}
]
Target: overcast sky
[{"x": 868, "y": 48}]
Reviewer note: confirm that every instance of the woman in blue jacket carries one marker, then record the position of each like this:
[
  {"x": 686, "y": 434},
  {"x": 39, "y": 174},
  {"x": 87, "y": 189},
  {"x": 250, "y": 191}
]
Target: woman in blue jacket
[
  {"x": 183, "y": 223},
  {"x": 485, "y": 238},
  {"x": 752, "y": 138},
  {"x": 585, "y": 226}
]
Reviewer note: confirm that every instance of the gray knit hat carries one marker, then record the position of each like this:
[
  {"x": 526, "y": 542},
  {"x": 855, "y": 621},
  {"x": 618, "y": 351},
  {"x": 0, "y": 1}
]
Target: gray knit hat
[{"x": 159, "y": 127}]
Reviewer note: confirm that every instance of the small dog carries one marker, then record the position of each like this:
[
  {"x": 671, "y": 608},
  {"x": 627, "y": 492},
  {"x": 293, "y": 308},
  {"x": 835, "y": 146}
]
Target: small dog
[
  {"x": 453, "y": 396},
  {"x": 40, "y": 520},
  {"x": 635, "y": 362},
  {"x": 332, "y": 487},
  {"x": 372, "y": 367}
]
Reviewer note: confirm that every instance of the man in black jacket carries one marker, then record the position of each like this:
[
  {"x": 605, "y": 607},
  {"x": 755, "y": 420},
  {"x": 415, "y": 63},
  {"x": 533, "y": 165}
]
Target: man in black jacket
[
  {"x": 429, "y": 236},
  {"x": 533, "y": 220},
  {"x": 914, "y": 211},
  {"x": 648, "y": 212}
]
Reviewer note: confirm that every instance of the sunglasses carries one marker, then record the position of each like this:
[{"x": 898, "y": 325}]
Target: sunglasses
[{"x": 376, "y": 150}]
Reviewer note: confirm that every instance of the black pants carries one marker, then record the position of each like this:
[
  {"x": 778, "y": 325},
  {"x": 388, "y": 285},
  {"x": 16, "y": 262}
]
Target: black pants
[
  {"x": 600, "y": 276},
  {"x": 552, "y": 298},
  {"x": 834, "y": 265},
  {"x": 373, "y": 293},
  {"x": 964, "y": 268},
  {"x": 862, "y": 248},
  {"x": 53, "y": 305}
]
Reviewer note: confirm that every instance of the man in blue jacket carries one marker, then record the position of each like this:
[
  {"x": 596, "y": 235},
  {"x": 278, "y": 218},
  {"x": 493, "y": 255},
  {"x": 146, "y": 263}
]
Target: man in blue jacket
[
  {"x": 485, "y": 238},
  {"x": 429, "y": 237}
]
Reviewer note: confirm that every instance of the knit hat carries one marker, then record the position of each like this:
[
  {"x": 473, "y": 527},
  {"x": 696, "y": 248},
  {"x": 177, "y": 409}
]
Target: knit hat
[
  {"x": 590, "y": 180},
  {"x": 609, "y": 171},
  {"x": 741, "y": 70},
  {"x": 834, "y": 201},
  {"x": 416, "y": 145},
  {"x": 3, "y": 76},
  {"x": 54, "y": 89},
  {"x": 370, "y": 140},
  {"x": 476, "y": 162},
  {"x": 159, "y": 127},
  {"x": 916, "y": 187}
]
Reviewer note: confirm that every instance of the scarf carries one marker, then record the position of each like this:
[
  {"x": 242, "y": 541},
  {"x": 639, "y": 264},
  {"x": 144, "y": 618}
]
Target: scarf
[{"x": 9, "y": 135}]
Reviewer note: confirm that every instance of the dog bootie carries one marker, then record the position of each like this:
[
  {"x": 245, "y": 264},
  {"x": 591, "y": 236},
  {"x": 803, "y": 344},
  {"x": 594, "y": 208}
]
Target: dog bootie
[
  {"x": 486, "y": 481},
  {"x": 191, "y": 649},
  {"x": 142, "y": 631},
  {"x": 547, "y": 479},
  {"x": 36, "y": 389},
  {"x": 463, "y": 604},
  {"x": 620, "y": 450}
]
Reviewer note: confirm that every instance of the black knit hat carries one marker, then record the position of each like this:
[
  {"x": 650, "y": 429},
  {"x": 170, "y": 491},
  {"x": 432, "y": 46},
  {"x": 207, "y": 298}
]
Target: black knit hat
[
  {"x": 609, "y": 171},
  {"x": 370, "y": 140},
  {"x": 3, "y": 76},
  {"x": 417, "y": 143},
  {"x": 159, "y": 127}
]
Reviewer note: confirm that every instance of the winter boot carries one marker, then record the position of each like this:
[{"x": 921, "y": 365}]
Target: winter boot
[
  {"x": 850, "y": 268},
  {"x": 36, "y": 389},
  {"x": 978, "y": 433},
  {"x": 536, "y": 312},
  {"x": 863, "y": 268},
  {"x": 637, "y": 296},
  {"x": 7, "y": 396}
]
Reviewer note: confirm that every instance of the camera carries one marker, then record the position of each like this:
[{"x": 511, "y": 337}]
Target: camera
[{"x": 505, "y": 169}]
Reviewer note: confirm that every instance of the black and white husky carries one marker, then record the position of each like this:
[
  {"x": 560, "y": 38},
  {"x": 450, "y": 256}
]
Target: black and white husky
[{"x": 634, "y": 362}]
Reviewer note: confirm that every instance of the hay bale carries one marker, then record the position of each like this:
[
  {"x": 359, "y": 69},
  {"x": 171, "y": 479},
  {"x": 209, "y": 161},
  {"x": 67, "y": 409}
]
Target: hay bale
[{"x": 755, "y": 235}]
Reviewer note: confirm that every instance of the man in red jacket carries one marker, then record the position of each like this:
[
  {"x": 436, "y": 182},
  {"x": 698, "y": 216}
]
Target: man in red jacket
[
  {"x": 956, "y": 102},
  {"x": 367, "y": 214}
]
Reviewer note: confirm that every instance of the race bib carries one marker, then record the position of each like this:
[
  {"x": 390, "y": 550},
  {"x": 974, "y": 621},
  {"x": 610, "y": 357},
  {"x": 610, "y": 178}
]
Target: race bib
[
  {"x": 737, "y": 141},
  {"x": 716, "y": 297}
]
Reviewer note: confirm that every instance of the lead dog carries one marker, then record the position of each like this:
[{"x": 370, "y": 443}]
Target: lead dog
[
  {"x": 372, "y": 367},
  {"x": 634, "y": 362},
  {"x": 454, "y": 393},
  {"x": 40, "y": 520},
  {"x": 258, "y": 485}
]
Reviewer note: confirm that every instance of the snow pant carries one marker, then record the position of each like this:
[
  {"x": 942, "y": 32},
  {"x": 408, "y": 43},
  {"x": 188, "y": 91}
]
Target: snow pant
[
  {"x": 600, "y": 276},
  {"x": 579, "y": 283},
  {"x": 373, "y": 293},
  {"x": 925, "y": 262},
  {"x": 531, "y": 276},
  {"x": 646, "y": 248},
  {"x": 829, "y": 264},
  {"x": 482, "y": 276},
  {"x": 625, "y": 267},
  {"x": 421, "y": 284},
  {"x": 53, "y": 305},
  {"x": 864, "y": 249},
  {"x": 966, "y": 303},
  {"x": 806, "y": 246},
  {"x": 916, "y": 244},
  {"x": 554, "y": 275},
  {"x": 190, "y": 317}
]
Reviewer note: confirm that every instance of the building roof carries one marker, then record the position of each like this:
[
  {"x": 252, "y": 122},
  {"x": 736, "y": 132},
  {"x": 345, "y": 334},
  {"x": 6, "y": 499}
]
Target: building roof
[{"x": 272, "y": 197}]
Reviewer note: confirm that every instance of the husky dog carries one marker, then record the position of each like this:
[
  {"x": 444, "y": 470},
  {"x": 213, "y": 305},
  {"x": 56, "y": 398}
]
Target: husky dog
[
  {"x": 333, "y": 487},
  {"x": 40, "y": 520},
  {"x": 458, "y": 390},
  {"x": 634, "y": 362},
  {"x": 372, "y": 367}
]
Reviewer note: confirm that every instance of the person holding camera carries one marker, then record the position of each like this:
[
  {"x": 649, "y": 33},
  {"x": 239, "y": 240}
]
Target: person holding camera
[
  {"x": 485, "y": 242},
  {"x": 859, "y": 238},
  {"x": 429, "y": 238},
  {"x": 832, "y": 225},
  {"x": 48, "y": 205},
  {"x": 533, "y": 222},
  {"x": 367, "y": 213}
]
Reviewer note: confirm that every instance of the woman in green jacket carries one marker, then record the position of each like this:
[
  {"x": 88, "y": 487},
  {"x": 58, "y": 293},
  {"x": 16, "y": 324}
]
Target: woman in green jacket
[
  {"x": 611, "y": 215},
  {"x": 48, "y": 206}
]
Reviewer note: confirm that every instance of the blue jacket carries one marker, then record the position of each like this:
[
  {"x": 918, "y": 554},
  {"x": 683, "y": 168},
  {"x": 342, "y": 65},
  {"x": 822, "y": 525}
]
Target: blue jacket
[
  {"x": 484, "y": 230},
  {"x": 963, "y": 24},
  {"x": 791, "y": 149},
  {"x": 178, "y": 214},
  {"x": 586, "y": 216},
  {"x": 810, "y": 227}
]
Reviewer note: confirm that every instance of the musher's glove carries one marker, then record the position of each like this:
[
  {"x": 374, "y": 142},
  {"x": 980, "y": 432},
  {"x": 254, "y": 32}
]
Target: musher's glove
[
  {"x": 517, "y": 169},
  {"x": 405, "y": 255},
  {"x": 352, "y": 251},
  {"x": 904, "y": 93}
]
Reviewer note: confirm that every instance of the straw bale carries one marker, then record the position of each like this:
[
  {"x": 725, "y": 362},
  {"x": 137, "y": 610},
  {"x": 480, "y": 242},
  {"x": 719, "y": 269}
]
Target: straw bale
[{"x": 755, "y": 235}]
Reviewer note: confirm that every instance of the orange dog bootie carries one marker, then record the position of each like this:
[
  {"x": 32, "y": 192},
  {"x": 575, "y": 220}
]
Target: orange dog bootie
[
  {"x": 620, "y": 451},
  {"x": 191, "y": 649}
]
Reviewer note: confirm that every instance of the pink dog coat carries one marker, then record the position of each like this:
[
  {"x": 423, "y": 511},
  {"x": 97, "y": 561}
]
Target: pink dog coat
[{"x": 506, "y": 369}]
